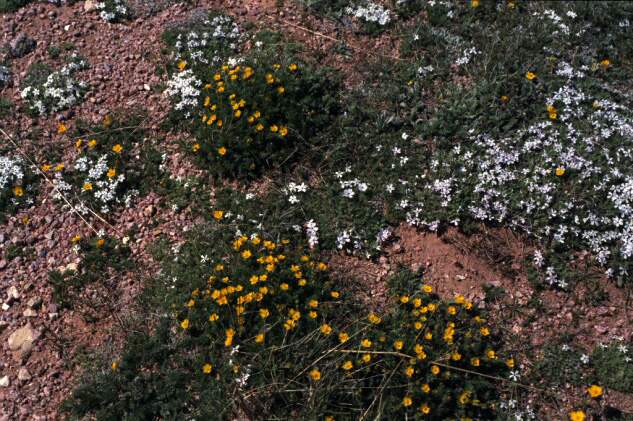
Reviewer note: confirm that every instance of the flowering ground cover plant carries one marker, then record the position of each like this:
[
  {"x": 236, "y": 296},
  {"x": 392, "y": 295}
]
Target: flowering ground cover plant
[
  {"x": 263, "y": 320},
  {"x": 112, "y": 166},
  {"x": 253, "y": 113},
  {"x": 46, "y": 91},
  {"x": 18, "y": 184}
]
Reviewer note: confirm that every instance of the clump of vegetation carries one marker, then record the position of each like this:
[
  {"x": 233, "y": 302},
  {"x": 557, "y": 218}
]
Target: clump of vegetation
[
  {"x": 113, "y": 165},
  {"x": 18, "y": 184},
  {"x": 263, "y": 320},
  {"x": 46, "y": 91},
  {"x": 103, "y": 262}
]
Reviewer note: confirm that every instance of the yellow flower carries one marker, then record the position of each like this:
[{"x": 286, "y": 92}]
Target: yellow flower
[
  {"x": 77, "y": 238},
  {"x": 284, "y": 286},
  {"x": 510, "y": 363},
  {"x": 366, "y": 343},
  {"x": 435, "y": 370},
  {"x": 213, "y": 317},
  {"x": 475, "y": 3},
  {"x": 595, "y": 391},
  {"x": 456, "y": 356},
  {"x": 404, "y": 300},
  {"x": 217, "y": 215},
  {"x": 484, "y": 331},
  {"x": 451, "y": 310},
  {"x": 490, "y": 354},
  {"x": 92, "y": 143},
  {"x": 46, "y": 167},
  {"x": 343, "y": 337},
  {"x": 425, "y": 408},
  {"x": 293, "y": 67},
  {"x": 283, "y": 131},
  {"x": 428, "y": 335},
  {"x": 196, "y": 147},
  {"x": 88, "y": 186},
  {"x": 260, "y": 338},
  {"x": 246, "y": 254},
  {"x": 464, "y": 398},
  {"x": 314, "y": 303},
  {"x": 264, "y": 313},
  {"x": 257, "y": 114},
  {"x": 426, "y": 388},
  {"x": 100, "y": 242},
  {"x": 530, "y": 75},
  {"x": 114, "y": 365},
  {"x": 335, "y": 294},
  {"x": 560, "y": 172},
  {"x": 59, "y": 167},
  {"x": 61, "y": 128},
  {"x": 407, "y": 401},
  {"x": 398, "y": 345},
  {"x": 409, "y": 371},
  {"x": 222, "y": 150},
  {"x": 112, "y": 172},
  {"x": 553, "y": 115},
  {"x": 185, "y": 324},
  {"x": 432, "y": 307},
  {"x": 348, "y": 365},
  {"x": 427, "y": 289},
  {"x": 117, "y": 148},
  {"x": 605, "y": 63},
  {"x": 313, "y": 314},
  {"x": 281, "y": 89},
  {"x": 418, "y": 325},
  {"x": 577, "y": 416},
  {"x": 511, "y": 4},
  {"x": 207, "y": 368},
  {"x": 274, "y": 128},
  {"x": 79, "y": 142},
  {"x": 366, "y": 358},
  {"x": 182, "y": 64},
  {"x": 315, "y": 374},
  {"x": 504, "y": 98},
  {"x": 326, "y": 329},
  {"x": 475, "y": 362},
  {"x": 18, "y": 191}
]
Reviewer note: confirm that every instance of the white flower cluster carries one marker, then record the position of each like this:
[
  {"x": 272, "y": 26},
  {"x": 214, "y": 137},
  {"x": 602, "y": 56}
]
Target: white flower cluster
[
  {"x": 294, "y": 188},
  {"x": 518, "y": 179},
  {"x": 370, "y": 13},
  {"x": 222, "y": 35},
  {"x": 104, "y": 188},
  {"x": 184, "y": 86},
  {"x": 112, "y": 10},
  {"x": 59, "y": 92},
  {"x": 11, "y": 170},
  {"x": 313, "y": 233}
]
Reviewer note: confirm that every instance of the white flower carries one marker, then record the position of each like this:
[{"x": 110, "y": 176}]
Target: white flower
[{"x": 584, "y": 358}]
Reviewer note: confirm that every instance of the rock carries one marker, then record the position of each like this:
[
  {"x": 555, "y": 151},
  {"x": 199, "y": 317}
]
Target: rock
[
  {"x": 89, "y": 6},
  {"x": 12, "y": 295},
  {"x": 24, "y": 374},
  {"x": 34, "y": 303},
  {"x": 149, "y": 211},
  {"x": 21, "y": 337},
  {"x": 5, "y": 307},
  {"x": 22, "y": 46},
  {"x": 29, "y": 313},
  {"x": 5, "y": 381},
  {"x": 3, "y": 325}
]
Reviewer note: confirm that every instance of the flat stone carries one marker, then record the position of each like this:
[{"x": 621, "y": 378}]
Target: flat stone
[
  {"x": 22, "y": 336},
  {"x": 5, "y": 381},
  {"x": 34, "y": 303},
  {"x": 24, "y": 374}
]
